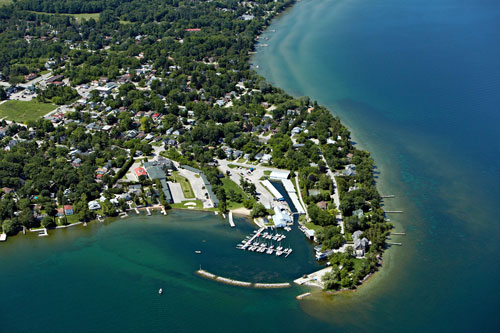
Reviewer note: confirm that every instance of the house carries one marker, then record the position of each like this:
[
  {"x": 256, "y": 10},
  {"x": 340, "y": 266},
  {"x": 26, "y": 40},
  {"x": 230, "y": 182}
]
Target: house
[
  {"x": 140, "y": 171},
  {"x": 266, "y": 158},
  {"x": 94, "y": 205},
  {"x": 313, "y": 192},
  {"x": 361, "y": 245},
  {"x": 358, "y": 213},
  {"x": 237, "y": 153},
  {"x": 296, "y": 130},
  {"x": 68, "y": 209},
  {"x": 322, "y": 205},
  {"x": 59, "y": 212}
]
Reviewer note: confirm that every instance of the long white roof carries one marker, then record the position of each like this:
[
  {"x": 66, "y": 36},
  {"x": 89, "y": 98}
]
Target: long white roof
[
  {"x": 272, "y": 189},
  {"x": 279, "y": 174},
  {"x": 287, "y": 183},
  {"x": 296, "y": 203}
]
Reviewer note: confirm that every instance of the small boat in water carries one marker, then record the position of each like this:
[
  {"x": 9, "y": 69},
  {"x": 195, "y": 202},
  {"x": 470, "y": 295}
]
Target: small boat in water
[
  {"x": 197, "y": 252},
  {"x": 160, "y": 291}
]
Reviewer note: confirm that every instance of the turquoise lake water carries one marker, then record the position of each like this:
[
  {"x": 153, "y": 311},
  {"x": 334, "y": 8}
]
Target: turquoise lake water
[{"x": 418, "y": 82}]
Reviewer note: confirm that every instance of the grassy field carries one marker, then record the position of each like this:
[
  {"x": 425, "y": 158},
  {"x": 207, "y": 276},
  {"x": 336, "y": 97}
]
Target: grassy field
[
  {"x": 185, "y": 185},
  {"x": 78, "y": 17},
  {"x": 228, "y": 185},
  {"x": 313, "y": 226},
  {"x": 182, "y": 205},
  {"x": 21, "y": 111}
]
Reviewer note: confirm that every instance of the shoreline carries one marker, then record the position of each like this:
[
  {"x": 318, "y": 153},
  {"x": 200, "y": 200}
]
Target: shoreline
[{"x": 357, "y": 140}]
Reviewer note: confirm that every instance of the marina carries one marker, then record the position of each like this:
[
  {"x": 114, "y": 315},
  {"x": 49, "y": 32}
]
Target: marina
[{"x": 262, "y": 242}]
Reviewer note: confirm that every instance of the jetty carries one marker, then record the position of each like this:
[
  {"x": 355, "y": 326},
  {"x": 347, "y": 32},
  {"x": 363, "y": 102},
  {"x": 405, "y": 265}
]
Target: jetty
[
  {"x": 148, "y": 211},
  {"x": 43, "y": 233},
  {"x": 387, "y": 196},
  {"x": 389, "y": 243},
  {"x": 164, "y": 212},
  {"x": 231, "y": 222},
  {"x": 136, "y": 210},
  {"x": 399, "y": 233},
  {"x": 3, "y": 237},
  {"x": 123, "y": 215},
  {"x": 301, "y": 296},
  {"x": 394, "y": 211},
  {"x": 238, "y": 283}
]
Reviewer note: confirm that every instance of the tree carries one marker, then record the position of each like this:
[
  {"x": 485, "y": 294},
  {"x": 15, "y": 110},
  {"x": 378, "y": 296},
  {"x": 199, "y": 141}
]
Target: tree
[
  {"x": 26, "y": 218},
  {"x": 258, "y": 210},
  {"x": 48, "y": 222},
  {"x": 10, "y": 226}
]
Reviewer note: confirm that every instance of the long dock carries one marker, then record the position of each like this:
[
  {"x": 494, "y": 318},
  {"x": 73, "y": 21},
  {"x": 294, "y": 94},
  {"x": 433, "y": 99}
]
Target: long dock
[
  {"x": 394, "y": 211},
  {"x": 237, "y": 283},
  {"x": 400, "y": 244},
  {"x": 231, "y": 222},
  {"x": 398, "y": 233},
  {"x": 388, "y": 196},
  {"x": 148, "y": 211}
]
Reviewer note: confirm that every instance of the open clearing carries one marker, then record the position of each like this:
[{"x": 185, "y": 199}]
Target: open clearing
[
  {"x": 21, "y": 111},
  {"x": 78, "y": 17}
]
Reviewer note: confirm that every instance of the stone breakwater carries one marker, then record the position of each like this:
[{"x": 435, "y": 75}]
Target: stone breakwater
[{"x": 232, "y": 282}]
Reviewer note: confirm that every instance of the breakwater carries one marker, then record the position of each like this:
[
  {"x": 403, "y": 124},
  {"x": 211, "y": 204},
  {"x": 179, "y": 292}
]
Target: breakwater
[{"x": 232, "y": 282}]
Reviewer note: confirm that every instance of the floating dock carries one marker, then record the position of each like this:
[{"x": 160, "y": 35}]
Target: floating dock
[{"x": 237, "y": 283}]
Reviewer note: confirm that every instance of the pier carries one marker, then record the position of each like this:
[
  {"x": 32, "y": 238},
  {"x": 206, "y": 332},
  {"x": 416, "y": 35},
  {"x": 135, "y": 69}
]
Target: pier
[
  {"x": 394, "y": 211},
  {"x": 399, "y": 244},
  {"x": 136, "y": 210},
  {"x": 231, "y": 222},
  {"x": 148, "y": 211},
  {"x": 387, "y": 196},
  {"x": 237, "y": 283},
  {"x": 3, "y": 237},
  {"x": 399, "y": 233}
]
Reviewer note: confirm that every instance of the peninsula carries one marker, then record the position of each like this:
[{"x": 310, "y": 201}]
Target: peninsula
[{"x": 113, "y": 106}]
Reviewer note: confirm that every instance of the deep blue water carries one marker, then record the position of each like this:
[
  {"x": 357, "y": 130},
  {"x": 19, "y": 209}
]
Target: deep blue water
[{"x": 418, "y": 82}]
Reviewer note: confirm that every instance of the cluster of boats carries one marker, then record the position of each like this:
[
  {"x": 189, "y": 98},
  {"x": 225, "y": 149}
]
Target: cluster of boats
[
  {"x": 275, "y": 237},
  {"x": 255, "y": 244}
]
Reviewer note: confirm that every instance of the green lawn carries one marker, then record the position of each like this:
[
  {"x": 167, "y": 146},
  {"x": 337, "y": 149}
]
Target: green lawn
[
  {"x": 21, "y": 111},
  {"x": 78, "y": 17},
  {"x": 313, "y": 226},
  {"x": 228, "y": 185},
  {"x": 185, "y": 185},
  {"x": 199, "y": 205}
]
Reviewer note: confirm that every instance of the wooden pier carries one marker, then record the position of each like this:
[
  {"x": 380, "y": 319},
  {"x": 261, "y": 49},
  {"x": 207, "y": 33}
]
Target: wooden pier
[
  {"x": 399, "y": 244},
  {"x": 231, "y": 222},
  {"x": 399, "y": 233},
  {"x": 148, "y": 211},
  {"x": 394, "y": 211},
  {"x": 387, "y": 196}
]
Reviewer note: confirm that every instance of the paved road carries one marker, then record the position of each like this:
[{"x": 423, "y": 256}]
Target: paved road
[{"x": 336, "y": 198}]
